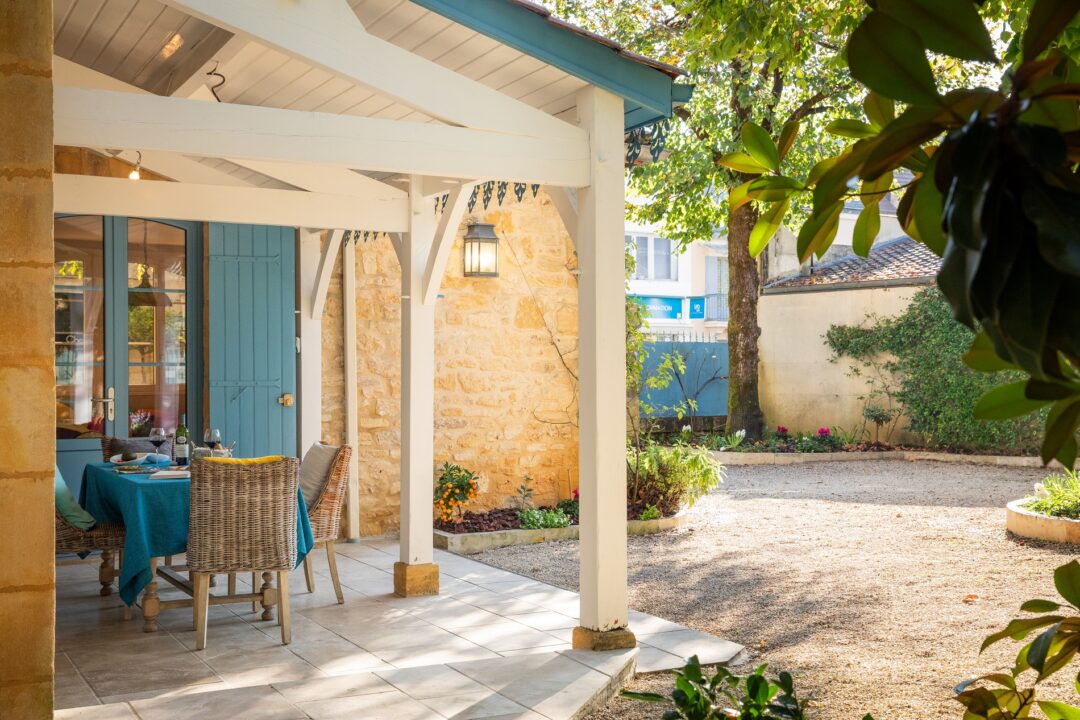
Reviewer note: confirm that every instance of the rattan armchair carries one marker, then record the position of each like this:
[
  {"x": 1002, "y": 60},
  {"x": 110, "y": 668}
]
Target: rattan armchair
[
  {"x": 243, "y": 519},
  {"x": 325, "y": 517},
  {"x": 106, "y": 537}
]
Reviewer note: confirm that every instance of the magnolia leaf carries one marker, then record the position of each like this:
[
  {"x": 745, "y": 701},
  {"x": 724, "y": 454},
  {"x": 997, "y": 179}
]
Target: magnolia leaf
[
  {"x": 1048, "y": 18},
  {"x": 1040, "y": 646},
  {"x": 739, "y": 197},
  {"x": 895, "y": 145},
  {"x": 820, "y": 168},
  {"x": 888, "y": 57},
  {"x": 1006, "y": 401},
  {"x": 928, "y": 207},
  {"x": 818, "y": 232},
  {"x": 741, "y": 162},
  {"x": 760, "y": 146},
  {"x": 952, "y": 27},
  {"x": 788, "y": 135},
  {"x": 867, "y": 228},
  {"x": 833, "y": 183},
  {"x": 767, "y": 225},
  {"x": 771, "y": 188},
  {"x": 879, "y": 109},
  {"x": 1019, "y": 629},
  {"x": 1040, "y": 606},
  {"x": 1058, "y": 711},
  {"x": 1059, "y": 440},
  {"x": 851, "y": 128},
  {"x": 983, "y": 358}
]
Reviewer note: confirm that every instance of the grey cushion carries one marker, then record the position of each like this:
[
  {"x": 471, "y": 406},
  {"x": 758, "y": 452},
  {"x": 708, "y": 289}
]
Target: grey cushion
[
  {"x": 314, "y": 471},
  {"x": 140, "y": 445}
]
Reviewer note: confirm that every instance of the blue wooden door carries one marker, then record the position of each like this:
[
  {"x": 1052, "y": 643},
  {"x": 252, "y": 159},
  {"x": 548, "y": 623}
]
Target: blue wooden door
[{"x": 252, "y": 337}]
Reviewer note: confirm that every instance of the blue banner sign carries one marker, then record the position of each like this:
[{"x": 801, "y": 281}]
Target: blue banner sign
[
  {"x": 697, "y": 308},
  {"x": 661, "y": 308}
]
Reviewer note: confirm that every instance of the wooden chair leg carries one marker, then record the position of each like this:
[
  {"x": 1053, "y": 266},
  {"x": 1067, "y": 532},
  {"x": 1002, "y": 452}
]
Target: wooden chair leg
[
  {"x": 232, "y": 583},
  {"x": 268, "y": 599},
  {"x": 309, "y": 573},
  {"x": 106, "y": 572},
  {"x": 254, "y": 588},
  {"x": 284, "y": 619},
  {"x": 201, "y": 602},
  {"x": 331, "y": 558}
]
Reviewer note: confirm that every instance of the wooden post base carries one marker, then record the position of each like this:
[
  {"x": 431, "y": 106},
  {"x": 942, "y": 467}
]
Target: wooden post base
[
  {"x": 415, "y": 580},
  {"x": 588, "y": 639}
]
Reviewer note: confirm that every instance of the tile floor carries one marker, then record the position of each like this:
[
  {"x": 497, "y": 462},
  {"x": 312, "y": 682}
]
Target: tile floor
[{"x": 492, "y": 645}]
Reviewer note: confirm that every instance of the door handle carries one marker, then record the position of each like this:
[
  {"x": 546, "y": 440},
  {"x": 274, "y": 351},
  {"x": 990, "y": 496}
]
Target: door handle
[
  {"x": 109, "y": 401},
  {"x": 286, "y": 400}
]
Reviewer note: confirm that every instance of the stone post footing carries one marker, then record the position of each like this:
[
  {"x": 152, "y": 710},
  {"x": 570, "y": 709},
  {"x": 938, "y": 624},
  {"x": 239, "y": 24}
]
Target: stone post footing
[
  {"x": 414, "y": 580},
  {"x": 588, "y": 639}
]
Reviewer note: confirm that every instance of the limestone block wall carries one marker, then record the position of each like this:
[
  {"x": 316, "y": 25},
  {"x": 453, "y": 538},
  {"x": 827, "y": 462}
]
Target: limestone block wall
[
  {"x": 27, "y": 391},
  {"x": 506, "y": 365},
  {"x": 800, "y": 387}
]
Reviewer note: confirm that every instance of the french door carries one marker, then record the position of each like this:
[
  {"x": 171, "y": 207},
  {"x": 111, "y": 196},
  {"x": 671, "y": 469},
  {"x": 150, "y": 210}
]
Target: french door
[{"x": 128, "y": 350}]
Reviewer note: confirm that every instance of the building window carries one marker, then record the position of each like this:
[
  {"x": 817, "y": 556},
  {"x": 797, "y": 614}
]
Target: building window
[
  {"x": 716, "y": 283},
  {"x": 656, "y": 257}
]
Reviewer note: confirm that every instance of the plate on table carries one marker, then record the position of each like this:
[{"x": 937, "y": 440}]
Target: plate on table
[{"x": 119, "y": 459}]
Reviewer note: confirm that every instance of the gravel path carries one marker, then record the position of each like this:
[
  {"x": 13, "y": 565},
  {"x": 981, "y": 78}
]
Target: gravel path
[{"x": 856, "y": 577}]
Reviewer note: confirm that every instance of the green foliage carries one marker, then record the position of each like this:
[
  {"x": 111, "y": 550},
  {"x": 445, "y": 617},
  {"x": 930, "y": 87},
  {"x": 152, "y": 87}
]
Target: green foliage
[
  {"x": 525, "y": 493},
  {"x": 1057, "y": 495},
  {"x": 998, "y": 696},
  {"x": 571, "y": 508},
  {"x": 650, "y": 512},
  {"x": 727, "y": 696},
  {"x": 722, "y": 443},
  {"x": 537, "y": 518},
  {"x": 915, "y": 360},
  {"x": 454, "y": 489},
  {"x": 995, "y": 188},
  {"x": 669, "y": 477},
  {"x": 845, "y": 437}
]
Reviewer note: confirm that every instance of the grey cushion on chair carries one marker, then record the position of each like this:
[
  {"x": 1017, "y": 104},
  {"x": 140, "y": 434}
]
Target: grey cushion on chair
[
  {"x": 141, "y": 445},
  {"x": 315, "y": 470}
]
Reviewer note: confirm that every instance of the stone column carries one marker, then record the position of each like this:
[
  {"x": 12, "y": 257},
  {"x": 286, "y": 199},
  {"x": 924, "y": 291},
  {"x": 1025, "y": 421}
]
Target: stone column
[
  {"x": 416, "y": 573},
  {"x": 602, "y": 357},
  {"x": 27, "y": 392}
]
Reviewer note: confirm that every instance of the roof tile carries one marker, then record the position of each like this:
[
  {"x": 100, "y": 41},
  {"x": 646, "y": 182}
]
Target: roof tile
[{"x": 893, "y": 260}]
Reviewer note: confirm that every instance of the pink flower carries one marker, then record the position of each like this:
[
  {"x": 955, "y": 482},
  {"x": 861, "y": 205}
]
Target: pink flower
[
  {"x": 576, "y": 495},
  {"x": 823, "y": 432},
  {"x": 781, "y": 430}
]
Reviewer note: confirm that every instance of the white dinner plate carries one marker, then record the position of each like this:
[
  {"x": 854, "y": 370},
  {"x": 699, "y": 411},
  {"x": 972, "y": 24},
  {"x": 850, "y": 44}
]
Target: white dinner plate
[{"x": 119, "y": 459}]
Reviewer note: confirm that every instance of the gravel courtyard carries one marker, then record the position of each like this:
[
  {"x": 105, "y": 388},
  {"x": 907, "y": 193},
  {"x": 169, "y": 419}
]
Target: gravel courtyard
[{"x": 874, "y": 582}]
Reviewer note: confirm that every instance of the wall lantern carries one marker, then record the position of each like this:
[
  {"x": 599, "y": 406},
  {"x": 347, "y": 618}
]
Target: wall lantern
[{"x": 481, "y": 251}]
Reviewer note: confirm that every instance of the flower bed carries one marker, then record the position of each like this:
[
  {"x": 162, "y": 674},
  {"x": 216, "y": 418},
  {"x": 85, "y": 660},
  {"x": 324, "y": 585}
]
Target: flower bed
[{"x": 1052, "y": 514}]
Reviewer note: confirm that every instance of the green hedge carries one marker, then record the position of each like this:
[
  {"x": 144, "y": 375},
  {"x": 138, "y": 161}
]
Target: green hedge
[{"x": 920, "y": 355}]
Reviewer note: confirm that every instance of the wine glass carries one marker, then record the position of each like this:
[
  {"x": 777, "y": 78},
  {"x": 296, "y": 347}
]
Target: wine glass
[
  {"x": 157, "y": 437},
  {"x": 212, "y": 438}
]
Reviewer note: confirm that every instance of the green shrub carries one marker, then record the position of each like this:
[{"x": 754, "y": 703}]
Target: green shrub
[
  {"x": 570, "y": 508},
  {"x": 651, "y": 512},
  {"x": 912, "y": 365},
  {"x": 1058, "y": 495},
  {"x": 669, "y": 477},
  {"x": 537, "y": 518}
]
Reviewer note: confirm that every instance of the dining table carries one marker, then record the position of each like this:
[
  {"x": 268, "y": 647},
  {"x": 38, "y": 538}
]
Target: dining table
[{"x": 154, "y": 512}]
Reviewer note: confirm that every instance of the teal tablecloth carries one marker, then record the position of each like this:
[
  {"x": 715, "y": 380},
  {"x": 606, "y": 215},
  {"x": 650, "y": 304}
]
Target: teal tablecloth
[{"x": 155, "y": 517}]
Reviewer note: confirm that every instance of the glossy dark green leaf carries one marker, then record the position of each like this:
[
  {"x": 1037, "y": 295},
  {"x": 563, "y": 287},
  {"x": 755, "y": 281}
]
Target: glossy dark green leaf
[
  {"x": 788, "y": 135},
  {"x": 952, "y": 27},
  {"x": 1044, "y": 390},
  {"x": 1040, "y": 606},
  {"x": 767, "y": 225},
  {"x": 867, "y": 227},
  {"x": 1048, "y": 18},
  {"x": 760, "y": 146},
  {"x": 893, "y": 146},
  {"x": 983, "y": 357},
  {"x": 1019, "y": 629},
  {"x": 928, "y": 208},
  {"x": 1059, "y": 441},
  {"x": 1006, "y": 401},
  {"x": 879, "y": 109},
  {"x": 850, "y": 128},
  {"x": 1056, "y": 214},
  {"x": 952, "y": 281},
  {"x": 888, "y": 57},
  {"x": 1040, "y": 646},
  {"x": 741, "y": 162}
]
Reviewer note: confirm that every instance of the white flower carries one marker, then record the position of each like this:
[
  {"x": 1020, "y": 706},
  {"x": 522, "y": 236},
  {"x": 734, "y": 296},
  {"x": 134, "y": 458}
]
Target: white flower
[
  {"x": 687, "y": 429},
  {"x": 1040, "y": 491}
]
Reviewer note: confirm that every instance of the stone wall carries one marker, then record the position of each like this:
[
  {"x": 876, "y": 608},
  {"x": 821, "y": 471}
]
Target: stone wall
[
  {"x": 27, "y": 390},
  {"x": 506, "y": 365}
]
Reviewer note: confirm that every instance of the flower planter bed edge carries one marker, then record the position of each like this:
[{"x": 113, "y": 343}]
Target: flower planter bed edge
[
  {"x": 767, "y": 458},
  {"x": 464, "y": 543},
  {"x": 1026, "y": 523}
]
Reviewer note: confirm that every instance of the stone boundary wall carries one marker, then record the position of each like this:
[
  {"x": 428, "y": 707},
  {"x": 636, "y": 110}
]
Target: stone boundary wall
[
  {"x": 751, "y": 458},
  {"x": 464, "y": 543}
]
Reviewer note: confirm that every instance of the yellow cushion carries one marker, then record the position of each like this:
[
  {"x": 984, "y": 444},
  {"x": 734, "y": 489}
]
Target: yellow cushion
[{"x": 246, "y": 461}]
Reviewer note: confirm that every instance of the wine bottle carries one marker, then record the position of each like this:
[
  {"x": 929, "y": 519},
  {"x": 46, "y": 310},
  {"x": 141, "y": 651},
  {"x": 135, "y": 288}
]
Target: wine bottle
[{"x": 181, "y": 444}]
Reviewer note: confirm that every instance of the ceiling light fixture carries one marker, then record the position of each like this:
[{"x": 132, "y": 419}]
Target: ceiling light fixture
[{"x": 136, "y": 172}]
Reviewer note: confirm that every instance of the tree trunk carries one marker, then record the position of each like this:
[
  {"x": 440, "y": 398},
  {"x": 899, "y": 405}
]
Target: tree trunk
[{"x": 744, "y": 410}]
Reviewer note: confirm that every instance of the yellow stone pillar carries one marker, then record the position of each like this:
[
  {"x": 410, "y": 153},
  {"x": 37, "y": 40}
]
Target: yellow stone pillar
[{"x": 27, "y": 394}]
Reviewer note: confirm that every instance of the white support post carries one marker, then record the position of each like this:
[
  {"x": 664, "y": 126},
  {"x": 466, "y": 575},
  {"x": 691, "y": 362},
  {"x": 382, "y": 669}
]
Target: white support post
[
  {"x": 352, "y": 402},
  {"x": 602, "y": 431},
  {"x": 565, "y": 201},
  {"x": 310, "y": 342},
  {"x": 416, "y": 574}
]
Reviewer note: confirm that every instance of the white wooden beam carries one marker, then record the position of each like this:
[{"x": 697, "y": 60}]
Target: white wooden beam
[
  {"x": 189, "y": 77},
  {"x": 352, "y": 402},
  {"x": 326, "y": 270},
  {"x": 566, "y": 203},
  {"x": 445, "y": 234},
  {"x": 184, "y": 201},
  {"x": 602, "y": 376},
  {"x": 398, "y": 241},
  {"x": 310, "y": 405},
  {"x": 97, "y": 118},
  {"x": 327, "y": 33}
]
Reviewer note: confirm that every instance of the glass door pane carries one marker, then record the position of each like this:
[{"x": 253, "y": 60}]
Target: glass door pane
[
  {"x": 79, "y": 312},
  {"x": 157, "y": 322}
]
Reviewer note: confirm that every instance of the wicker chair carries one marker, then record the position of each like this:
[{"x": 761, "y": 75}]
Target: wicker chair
[
  {"x": 243, "y": 519},
  {"x": 106, "y": 537},
  {"x": 325, "y": 517}
]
